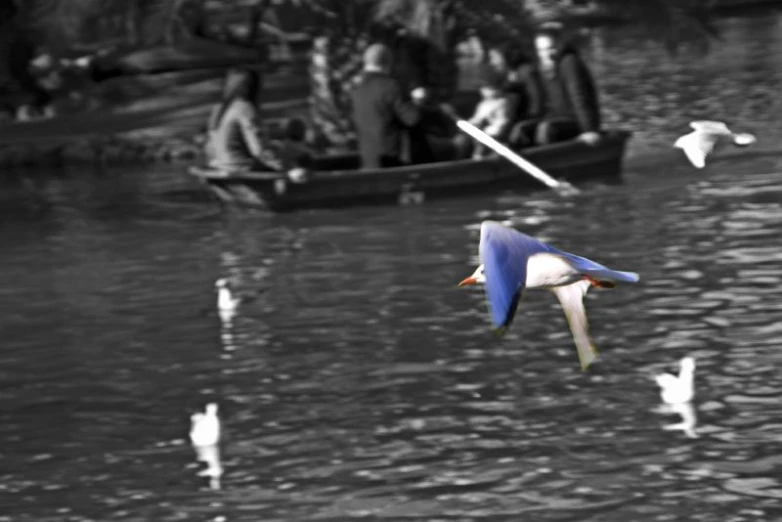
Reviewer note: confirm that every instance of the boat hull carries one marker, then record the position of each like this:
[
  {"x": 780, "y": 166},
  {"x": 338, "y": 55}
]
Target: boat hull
[{"x": 338, "y": 186}]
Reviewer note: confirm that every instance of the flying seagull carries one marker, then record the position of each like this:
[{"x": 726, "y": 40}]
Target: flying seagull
[
  {"x": 512, "y": 262},
  {"x": 701, "y": 141}
]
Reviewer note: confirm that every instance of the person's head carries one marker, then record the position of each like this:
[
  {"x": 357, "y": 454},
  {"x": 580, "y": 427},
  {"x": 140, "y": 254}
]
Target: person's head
[
  {"x": 548, "y": 43},
  {"x": 377, "y": 57},
  {"x": 243, "y": 84}
]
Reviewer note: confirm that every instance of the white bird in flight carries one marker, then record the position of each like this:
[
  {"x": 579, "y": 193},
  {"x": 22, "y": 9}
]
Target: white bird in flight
[
  {"x": 677, "y": 390},
  {"x": 205, "y": 427},
  {"x": 512, "y": 262},
  {"x": 698, "y": 144}
]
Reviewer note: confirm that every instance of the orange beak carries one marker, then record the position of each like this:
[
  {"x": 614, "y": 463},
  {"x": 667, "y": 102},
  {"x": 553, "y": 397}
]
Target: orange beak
[{"x": 468, "y": 281}]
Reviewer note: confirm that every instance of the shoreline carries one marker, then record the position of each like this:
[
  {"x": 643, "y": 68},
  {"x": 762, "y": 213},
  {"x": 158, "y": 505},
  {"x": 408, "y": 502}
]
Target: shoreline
[{"x": 119, "y": 138}]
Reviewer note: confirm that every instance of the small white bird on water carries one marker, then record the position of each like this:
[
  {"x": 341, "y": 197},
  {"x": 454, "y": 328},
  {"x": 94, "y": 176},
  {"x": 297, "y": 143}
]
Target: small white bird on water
[
  {"x": 205, "y": 427},
  {"x": 513, "y": 262},
  {"x": 698, "y": 144},
  {"x": 226, "y": 302},
  {"x": 677, "y": 390}
]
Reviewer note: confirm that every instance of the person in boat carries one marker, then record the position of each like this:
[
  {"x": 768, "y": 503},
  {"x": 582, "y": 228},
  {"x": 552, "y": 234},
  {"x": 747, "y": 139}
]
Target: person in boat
[
  {"x": 568, "y": 105},
  {"x": 382, "y": 112},
  {"x": 494, "y": 114},
  {"x": 410, "y": 53},
  {"x": 234, "y": 129},
  {"x": 294, "y": 151},
  {"x": 296, "y": 157},
  {"x": 511, "y": 60}
]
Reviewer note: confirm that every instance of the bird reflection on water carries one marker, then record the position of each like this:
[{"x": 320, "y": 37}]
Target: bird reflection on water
[
  {"x": 210, "y": 456},
  {"x": 689, "y": 419}
]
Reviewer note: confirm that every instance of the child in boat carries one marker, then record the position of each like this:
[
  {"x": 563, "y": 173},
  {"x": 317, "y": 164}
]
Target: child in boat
[
  {"x": 511, "y": 61},
  {"x": 494, "y": 114},
  {"x": 234, "y": 137}
]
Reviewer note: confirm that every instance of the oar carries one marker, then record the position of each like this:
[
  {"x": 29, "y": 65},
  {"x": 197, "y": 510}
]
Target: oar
[{"x": 563, "y": 187}]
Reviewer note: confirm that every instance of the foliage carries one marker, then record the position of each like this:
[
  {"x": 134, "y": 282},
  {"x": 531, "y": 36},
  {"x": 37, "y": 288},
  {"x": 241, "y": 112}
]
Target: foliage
[
  {"x": 445, "y": 22},
  {"x": 69, "y": 21},
  {"x": 669, "y": 21},
  {"x": 672, "y": 21}
]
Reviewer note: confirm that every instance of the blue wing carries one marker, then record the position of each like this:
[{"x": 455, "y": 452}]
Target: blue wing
[
  {"x": 504, "y": 253},
  {"x": 598, "y": 271}
]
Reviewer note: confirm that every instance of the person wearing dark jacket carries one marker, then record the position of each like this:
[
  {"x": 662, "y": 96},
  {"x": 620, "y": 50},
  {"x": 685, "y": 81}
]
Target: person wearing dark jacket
[
  {"x": 382, "y": 113},
  {"x": 522, "y": 83},
  {"x": 568, "y": 106},
  {"x": 409, "y": 53}
]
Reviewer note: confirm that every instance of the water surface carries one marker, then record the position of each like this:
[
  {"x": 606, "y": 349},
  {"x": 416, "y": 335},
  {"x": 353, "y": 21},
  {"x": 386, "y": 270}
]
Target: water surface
[{"x": 359, "y": 383}]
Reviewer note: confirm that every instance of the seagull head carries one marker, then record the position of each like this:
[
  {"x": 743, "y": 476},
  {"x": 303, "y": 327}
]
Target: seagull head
[
  {"x": 477, "y": 277},
  {"x": 687, "y": 365},
  {"x": 221, "y": 283},
  {"x": 211, "y": 408}
]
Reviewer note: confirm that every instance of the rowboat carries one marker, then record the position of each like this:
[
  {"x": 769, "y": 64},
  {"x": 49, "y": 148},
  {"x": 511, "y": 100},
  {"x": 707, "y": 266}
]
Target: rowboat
[{"x": 337, "y": 180}]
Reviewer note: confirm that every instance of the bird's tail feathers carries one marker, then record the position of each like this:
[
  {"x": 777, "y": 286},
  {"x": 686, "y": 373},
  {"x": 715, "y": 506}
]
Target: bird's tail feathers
[{"x": 743, "y": 139}]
